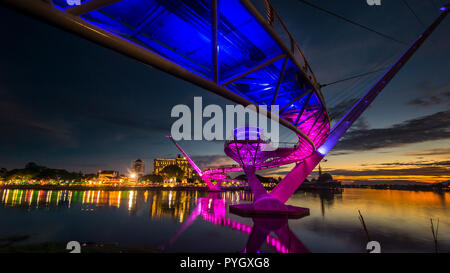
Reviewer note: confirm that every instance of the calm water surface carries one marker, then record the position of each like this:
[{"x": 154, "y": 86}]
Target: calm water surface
[{"x": 189, "y": 221}]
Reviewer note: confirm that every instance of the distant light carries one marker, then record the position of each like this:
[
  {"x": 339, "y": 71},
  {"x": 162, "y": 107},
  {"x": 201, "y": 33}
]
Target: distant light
[
  {"x": 443, "y": 8},
  {"x": 133, "y": 175}
]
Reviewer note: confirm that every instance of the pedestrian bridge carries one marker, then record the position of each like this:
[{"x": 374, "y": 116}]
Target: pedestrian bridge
[{"x": 238, "y": 49}]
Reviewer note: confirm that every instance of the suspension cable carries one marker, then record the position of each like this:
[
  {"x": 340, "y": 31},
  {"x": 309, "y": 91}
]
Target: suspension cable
[
  {"x": 359, "y": 86},
  {"x": 353, "y": 77},
  {"x": 414, "y": 13},
  {"x": 353, "y": 22},
  {"x": 434, "y": 5}
]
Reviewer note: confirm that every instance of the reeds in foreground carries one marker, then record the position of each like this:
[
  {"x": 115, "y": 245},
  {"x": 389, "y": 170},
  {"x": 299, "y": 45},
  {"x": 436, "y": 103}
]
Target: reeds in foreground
[
  {"x": 361, "y": 219},
  {"x": 435, "y": 234}
]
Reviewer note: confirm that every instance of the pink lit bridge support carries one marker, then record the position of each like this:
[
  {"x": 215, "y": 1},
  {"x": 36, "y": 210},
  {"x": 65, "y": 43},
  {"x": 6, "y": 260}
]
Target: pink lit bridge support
[{"x": 205, "y": 177}]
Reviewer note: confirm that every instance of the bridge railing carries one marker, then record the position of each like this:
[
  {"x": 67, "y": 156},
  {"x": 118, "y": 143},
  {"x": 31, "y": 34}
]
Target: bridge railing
[{"x": 266, "y": 9}]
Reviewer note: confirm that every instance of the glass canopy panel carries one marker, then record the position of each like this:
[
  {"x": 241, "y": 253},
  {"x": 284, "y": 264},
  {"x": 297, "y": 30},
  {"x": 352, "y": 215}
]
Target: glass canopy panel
[
  {"x": 313, "y": 121},
  {"x": 177, "y": 30},
  {"x": 292, "y": 88},
  {"x": 260, "y": 85},
  {"x": 243, "y": 42},
  {"x": 181, "y": 31},
  {"x": 311, "y": 116}
]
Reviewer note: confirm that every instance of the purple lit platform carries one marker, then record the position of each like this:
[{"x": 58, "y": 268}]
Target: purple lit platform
[{"x": 249, "y": 210}]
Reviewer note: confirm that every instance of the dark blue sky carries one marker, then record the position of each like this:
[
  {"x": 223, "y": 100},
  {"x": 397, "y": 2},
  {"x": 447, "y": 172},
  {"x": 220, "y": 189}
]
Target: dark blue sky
[{"x": 68, "y": 103}]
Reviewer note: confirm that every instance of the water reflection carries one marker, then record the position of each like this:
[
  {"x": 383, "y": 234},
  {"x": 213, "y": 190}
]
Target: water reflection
[
  {"x": 327, "y": 197},
  {"x": 170, "y": 220},
  {"x": 285, "y": 242},
  {"x": 163, "y": 204},
  {"x": 36, "y": 198},
  {"x": 183, "y": 206},
  {"x": 213, "y": 210}
]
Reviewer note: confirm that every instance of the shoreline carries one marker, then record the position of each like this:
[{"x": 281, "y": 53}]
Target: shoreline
[
  {"x": 115, "y": 188},
  {"x": 206, "y": 189}
]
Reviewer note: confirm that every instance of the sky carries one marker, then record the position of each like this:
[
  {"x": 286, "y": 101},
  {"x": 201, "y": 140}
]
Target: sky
[{"x": 68, "y": 103}]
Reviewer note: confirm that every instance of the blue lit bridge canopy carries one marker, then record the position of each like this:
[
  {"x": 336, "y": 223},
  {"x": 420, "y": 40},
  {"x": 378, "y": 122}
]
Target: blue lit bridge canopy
[{"x": 237, "y": 44}]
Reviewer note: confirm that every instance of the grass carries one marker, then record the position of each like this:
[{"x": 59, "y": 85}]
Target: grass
[
  {"x": 435, "y": 231},
  {"x": 9, "y": 245},
  {"x": 363, "y": 223}
]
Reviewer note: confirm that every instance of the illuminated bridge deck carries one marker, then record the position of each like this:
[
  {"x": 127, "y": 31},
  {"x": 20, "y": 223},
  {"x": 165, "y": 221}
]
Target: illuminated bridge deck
[{"x": 240, "y": 49}]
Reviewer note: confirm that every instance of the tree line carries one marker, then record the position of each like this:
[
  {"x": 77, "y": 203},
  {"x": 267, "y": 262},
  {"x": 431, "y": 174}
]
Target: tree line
[{"x": 32, "y": 171}]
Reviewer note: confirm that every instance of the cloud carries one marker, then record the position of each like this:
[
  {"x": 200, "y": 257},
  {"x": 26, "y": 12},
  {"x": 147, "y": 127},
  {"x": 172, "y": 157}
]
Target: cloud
[
  {"x": 384, "y": 182},
  {"x": 437, "y": 95},
  {"x": 19, "y": 124},
  {"x": 275, "y": 172},
  {"x": 440, "y": 151},
  {"x": 338, "y": 111},
  {"x": 136, "y": 122},
  {"x": 361, "y": 124},
  {"x": 423, "y": 171},
  {"x": 338, "y": 153},
  {"x": 212, "y": 161},
  {"x": 432, "y": 127},
  {"x": 422, "y": 168},
  {"x": 417, "y": 163}
]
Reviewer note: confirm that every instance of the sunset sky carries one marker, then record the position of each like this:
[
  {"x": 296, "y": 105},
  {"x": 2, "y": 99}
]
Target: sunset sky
[{"x": 68, "y": 103}]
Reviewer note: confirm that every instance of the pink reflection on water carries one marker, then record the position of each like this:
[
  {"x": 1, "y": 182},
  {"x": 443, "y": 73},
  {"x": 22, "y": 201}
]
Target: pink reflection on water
[{"x": 218, "y": 217}]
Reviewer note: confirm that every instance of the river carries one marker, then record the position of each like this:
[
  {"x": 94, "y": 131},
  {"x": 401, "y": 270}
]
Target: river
[{"x": 191, "y": 221}]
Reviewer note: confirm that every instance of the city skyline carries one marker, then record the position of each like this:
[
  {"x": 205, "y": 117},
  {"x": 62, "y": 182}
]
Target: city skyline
[{"x": 78, "y": 109}]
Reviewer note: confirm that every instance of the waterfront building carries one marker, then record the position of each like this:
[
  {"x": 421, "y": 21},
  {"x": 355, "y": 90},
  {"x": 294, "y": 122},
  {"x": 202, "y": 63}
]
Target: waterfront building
[
  {"x": 108, "y": 176},
  {"x": 323, "y": 181},
  {"x": 160, "y": 163},
  {"x": 138, "y": 167}
]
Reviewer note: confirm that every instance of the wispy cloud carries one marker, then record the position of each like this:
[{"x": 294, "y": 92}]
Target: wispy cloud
[
  {"x": 135, "y": 122},
  {"x": 416, "y": 163},
  {"x": 422, "y": 171},
  {"x": 212, "y": 161},
  {"x": 21, "y": 123},
  {"x": 434, "y": 95},
  {"x": 339, "y": 110},
  {"x": 419, "y": 168},
  {"x": 437, "y": 151},
  {"x": 426, "y": 128}
]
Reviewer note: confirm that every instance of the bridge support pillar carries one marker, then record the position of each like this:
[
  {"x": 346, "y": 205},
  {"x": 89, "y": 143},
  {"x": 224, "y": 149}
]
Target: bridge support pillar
[{"x": 265, "y": 205}]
